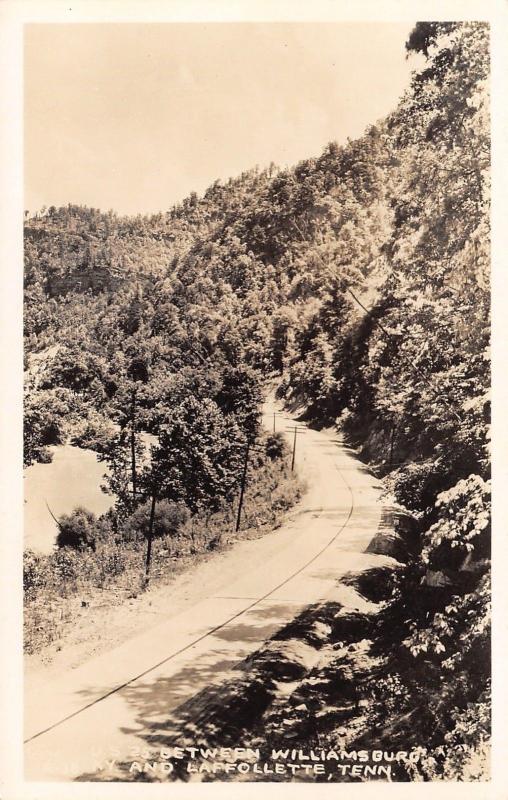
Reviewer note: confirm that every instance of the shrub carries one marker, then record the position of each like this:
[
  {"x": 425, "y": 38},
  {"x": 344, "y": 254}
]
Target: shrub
[
  {"x": 416, "y": 485},
  {"x": 94, "y": 431},
  {"x": 464, "y": 519},
  {"x": 275, "y": 446},
  {"x": 286, "y": 494},
  {"x": 114, "y": 561},
  {"x": 169, "y": 519},
  {"x": 35, "y": 571},
  {"x": 77, "y": 530},
  {"x": 44, "y": 424},
  {"x": 65, "y": 566}
]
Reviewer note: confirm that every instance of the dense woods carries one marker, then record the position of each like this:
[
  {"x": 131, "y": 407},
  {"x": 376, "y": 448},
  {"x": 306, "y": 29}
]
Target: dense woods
[{"x": 360, "y": 278}]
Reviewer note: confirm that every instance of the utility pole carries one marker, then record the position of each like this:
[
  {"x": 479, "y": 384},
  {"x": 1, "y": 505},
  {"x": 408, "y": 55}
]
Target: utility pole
[
  {"x": 275, "y": 415},
  {"x": 294, "y": 452},
  {"x": 295, "y": 430},
  {"x": 150, "y": 537},
  {"x": 242, "y": 488},
  {"x": 133, "y": 443},
  {"x": 392, "y": 441}
]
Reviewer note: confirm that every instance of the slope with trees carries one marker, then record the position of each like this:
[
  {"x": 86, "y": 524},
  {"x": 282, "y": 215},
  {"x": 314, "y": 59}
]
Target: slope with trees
[{"x": 360, "y": 278}]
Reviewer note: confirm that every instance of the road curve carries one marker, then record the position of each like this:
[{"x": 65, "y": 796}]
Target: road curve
[{"x": 102, "y": 709}]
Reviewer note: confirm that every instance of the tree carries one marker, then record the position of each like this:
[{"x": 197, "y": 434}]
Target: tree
[
  {"x": 44, "y": 422},
  {"x": 241, "y": 395},
  {"x": 198, "y": 455}
]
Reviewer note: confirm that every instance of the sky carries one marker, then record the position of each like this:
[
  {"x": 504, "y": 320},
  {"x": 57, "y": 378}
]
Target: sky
[{"x": 134, "y": 117}]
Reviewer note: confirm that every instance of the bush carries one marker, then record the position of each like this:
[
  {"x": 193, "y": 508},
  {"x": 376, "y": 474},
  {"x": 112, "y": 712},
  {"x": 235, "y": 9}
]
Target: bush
[
  {"x": 77, "y": 530},
  {"x": 65, "y": 566},
  {"x": 416, "y": 485},
  {"x": 464, "y": 521},
  {"x": 44, "y": 424},
  {"x": 108, "y": 555},
  {"x": 35, "y": 571},
  {"x": 94, "y": 432},
  {"x": 275, "y": 446},
  {"x": 168, "y": 520}
]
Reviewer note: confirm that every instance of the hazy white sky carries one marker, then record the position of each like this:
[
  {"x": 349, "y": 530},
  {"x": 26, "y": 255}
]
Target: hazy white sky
[{"x": 135, "y": 116}]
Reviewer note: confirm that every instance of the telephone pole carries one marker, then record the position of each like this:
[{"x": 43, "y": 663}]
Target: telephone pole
[
  {"x": 150, "y": 537},
  {"x": 248, "y": 448},
  {"x": 242, "y": 488},
  {"x": 133, "y": 442},
  {"x": 296, "y": 429},
  {"x": 275, "y": 415}
]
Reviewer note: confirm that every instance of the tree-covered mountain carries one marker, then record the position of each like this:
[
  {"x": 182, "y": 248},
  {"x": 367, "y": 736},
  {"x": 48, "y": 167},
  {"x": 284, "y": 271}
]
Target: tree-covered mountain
[{"x": 359, "y": 277}]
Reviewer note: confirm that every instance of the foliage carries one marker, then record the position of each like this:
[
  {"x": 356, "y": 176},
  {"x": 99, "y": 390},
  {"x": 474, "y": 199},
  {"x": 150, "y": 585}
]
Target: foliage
[
  {"x": 361, "y": 277},
  {"x": 34, "y": 572},
  {"x": 77, "y": 530},
  {"x": 464, "y": 520},
  {"x": 198, "y": 455},
  {"x": 44, "y": 423},
  {"x": 276, "y": 446},
  {"x": 169, "y": 518},
  {"x": 415, "y": 484},
  {"x": 53, "y": 582},
  {"x": 240, "y": 394},
  {"x": 94, "y": 432}
]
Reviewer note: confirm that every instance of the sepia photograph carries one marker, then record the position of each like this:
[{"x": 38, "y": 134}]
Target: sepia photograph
[{"x": 256, "y": 401}]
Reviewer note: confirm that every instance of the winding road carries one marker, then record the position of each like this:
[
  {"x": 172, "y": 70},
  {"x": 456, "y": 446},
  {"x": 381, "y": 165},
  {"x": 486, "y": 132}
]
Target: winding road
[{"x": 103, "y": 709}]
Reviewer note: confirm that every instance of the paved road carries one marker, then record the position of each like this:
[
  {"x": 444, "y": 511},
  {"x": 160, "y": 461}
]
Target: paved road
[{"x": 103, "y": 708}]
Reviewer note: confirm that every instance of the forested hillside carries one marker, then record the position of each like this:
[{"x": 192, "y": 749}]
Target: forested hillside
[{"x": 360, "y": 279}]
